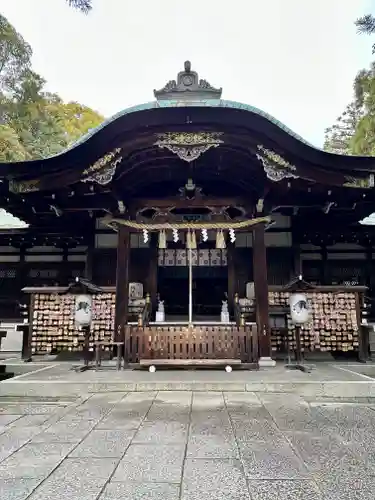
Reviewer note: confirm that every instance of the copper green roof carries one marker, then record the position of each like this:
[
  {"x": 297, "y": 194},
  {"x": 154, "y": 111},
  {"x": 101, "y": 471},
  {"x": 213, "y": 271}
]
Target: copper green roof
[{"x": 210, "y": 103}]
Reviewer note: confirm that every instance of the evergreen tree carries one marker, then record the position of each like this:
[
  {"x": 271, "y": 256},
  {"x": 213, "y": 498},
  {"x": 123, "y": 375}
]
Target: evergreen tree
[
  {"x": 366, "y": 25},
  {"x": 83, "y": 5},
  {"x": 338, "y": 138}
]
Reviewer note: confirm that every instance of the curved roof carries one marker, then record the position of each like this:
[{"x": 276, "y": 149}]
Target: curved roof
[
  {"x": 250, "y": 119},
  {"x": 190, "y": 105},
  {"x": 210, "y": 103},
  {"x": 125, "y": 159}
]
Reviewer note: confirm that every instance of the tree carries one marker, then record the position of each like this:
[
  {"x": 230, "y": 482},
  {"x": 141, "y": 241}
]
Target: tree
[
  {"x": 15, "y": 55},
  {"x": 34, "y": 123},
  {"x": 363, "y": 140},
  {"x": 77, "y": 119},
  {"x": 34, "y": 117},
  {"x": 338, "y": 138},
  {"x": 354, "y": 131},
  {"x": 366, "y": 25},
  {"x": 83, "y": 5},
  {"x": 44, "y": 124},
  {"x": 11, "y": 148}
]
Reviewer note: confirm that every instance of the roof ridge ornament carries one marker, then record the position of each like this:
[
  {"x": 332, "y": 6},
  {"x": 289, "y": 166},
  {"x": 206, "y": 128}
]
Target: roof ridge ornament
[{"x": 187, "y": 87}]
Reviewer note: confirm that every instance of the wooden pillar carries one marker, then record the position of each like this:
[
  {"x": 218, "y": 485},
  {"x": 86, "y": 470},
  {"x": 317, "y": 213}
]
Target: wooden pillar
[
  {"x": 232, "y": 285},
  {"x": 152, "y": 288},
  {"x": 122, "y": 282},
  {"x": 261, "y": 295},
  {"x": 368, "y": 267}
]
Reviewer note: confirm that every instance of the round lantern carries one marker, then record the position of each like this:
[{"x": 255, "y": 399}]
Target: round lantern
[
  {"x": 83, "y": 310},
  {"x": 299, "y": 308}
]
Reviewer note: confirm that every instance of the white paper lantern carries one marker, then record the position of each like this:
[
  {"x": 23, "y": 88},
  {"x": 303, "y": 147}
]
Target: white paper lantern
[
  {"x": 83, "y": 310},
  {"x": 299, "y": 308}
]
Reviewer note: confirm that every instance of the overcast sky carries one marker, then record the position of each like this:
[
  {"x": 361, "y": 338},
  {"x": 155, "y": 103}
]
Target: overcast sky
[{"x": 295, "y": 59}]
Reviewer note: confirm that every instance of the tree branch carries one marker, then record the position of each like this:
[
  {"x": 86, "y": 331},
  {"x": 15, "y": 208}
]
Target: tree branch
[
  {"x": 366, "y": 24},
  {"x": 83, "y": 5}
]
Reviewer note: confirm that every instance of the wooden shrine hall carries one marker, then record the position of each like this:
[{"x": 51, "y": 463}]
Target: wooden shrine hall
[{"x": 191, "y": 213}]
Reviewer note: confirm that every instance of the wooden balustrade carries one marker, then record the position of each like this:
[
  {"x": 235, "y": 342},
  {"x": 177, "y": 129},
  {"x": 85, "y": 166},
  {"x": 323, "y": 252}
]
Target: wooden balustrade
[{"x": 194, "y": 342}]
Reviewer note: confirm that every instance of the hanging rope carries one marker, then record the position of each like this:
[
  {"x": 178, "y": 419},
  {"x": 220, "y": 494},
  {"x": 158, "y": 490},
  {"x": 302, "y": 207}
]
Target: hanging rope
[{"x": 194, "y": 226}]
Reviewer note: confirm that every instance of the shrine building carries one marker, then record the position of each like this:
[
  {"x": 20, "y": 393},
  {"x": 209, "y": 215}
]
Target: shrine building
[{"x": 192, "y": 213}]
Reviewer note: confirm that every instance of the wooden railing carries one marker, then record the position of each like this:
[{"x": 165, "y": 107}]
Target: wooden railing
[{"x": 195, "y": 342}]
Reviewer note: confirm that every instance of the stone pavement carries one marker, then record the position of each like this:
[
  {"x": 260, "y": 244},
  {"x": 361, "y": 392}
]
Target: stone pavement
[
  {"x": 51, "y": 378},
  {"x": 184, "y": 445}
]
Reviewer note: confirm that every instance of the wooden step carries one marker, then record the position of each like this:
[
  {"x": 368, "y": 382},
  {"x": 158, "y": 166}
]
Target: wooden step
[{"x": 189, "y": 362}]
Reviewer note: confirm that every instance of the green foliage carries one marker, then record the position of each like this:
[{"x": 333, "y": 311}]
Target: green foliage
[
  {"x": 338, "y": 138},
  {"x": 83, "y": 5},
  {"x": 15, "y": 55},
  {"x": 78, "y": 119},
  {"x": 363, "y": 140},
  {"x": 366, "y": 26},
  {"x": 11, "y": 148},
  {"x": 354, "y": 131},
  {"x": 34, "y": 123}
]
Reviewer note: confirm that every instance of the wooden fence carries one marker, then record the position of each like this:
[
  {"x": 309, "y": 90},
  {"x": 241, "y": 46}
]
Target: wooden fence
[{"x": 194, "y": 342}]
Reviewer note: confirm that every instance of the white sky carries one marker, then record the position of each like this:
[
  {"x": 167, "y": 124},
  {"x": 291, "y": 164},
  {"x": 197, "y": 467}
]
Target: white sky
[{"x": 295, "y": 59}]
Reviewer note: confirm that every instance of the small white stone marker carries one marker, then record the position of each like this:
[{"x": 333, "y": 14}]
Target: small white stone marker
[
  {"x": 152, "y": 369},
  {"x": 228, "y": 369}
]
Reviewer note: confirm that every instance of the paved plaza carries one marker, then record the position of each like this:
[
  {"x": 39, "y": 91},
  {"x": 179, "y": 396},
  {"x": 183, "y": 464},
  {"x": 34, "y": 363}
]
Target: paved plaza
[
  {"x": 55, "y": 378},
  {"x": 186, "y": 445}
]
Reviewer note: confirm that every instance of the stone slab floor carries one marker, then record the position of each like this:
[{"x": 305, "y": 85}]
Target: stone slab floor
[{"x": 190, "y": 446}]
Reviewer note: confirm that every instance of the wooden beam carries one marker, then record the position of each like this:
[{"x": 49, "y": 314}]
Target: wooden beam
[
  {"x": 183, "y": 203},
  {"x": 232, "y": 287},
  {"x": 122, "y": 282},
  {"x": 261, "y": 291},
  {"x": 152, "y": 287}
]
